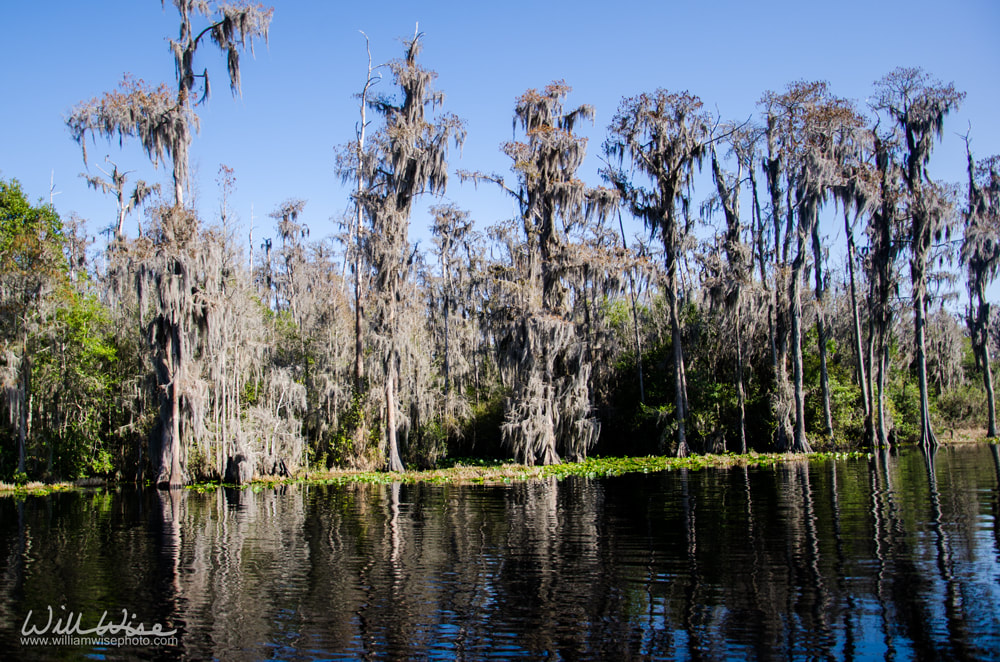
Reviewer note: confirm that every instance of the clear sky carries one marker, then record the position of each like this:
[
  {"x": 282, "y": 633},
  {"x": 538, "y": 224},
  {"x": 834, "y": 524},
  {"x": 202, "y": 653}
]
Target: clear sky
[{"x": 298, "y": 104}]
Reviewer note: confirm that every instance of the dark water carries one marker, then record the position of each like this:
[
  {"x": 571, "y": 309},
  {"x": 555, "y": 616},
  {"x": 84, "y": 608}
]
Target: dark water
[{"x": 888, "y": 558}]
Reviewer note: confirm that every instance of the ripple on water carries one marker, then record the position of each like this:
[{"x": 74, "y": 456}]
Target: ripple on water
[{"x": 858, "y": 559}]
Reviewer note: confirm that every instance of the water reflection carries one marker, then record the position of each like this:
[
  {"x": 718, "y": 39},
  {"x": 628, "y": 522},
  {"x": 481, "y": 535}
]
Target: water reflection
[{"x": 893, "y": 557}]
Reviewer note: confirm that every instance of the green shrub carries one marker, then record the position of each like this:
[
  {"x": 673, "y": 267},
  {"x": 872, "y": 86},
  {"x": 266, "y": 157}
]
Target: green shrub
[
  {"x": 904, "y": 407},
  {"x": 962, "y": 406}
]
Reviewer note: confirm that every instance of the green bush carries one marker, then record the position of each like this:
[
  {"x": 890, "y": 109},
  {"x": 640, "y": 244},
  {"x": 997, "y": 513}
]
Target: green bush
[
  {"x": 904, "y": 408},
  {"x": 962, "y": 406}
]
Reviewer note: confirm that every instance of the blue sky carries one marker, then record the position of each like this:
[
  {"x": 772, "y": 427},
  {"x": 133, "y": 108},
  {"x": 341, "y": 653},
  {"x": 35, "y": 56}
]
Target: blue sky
[{"x": 298, "y": 104}]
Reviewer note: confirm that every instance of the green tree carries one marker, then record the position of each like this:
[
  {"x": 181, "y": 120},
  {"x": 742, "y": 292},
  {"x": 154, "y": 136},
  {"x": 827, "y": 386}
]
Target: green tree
[
  {"x": 74, "y": 379},
  {"x": 32, "y": 266}
]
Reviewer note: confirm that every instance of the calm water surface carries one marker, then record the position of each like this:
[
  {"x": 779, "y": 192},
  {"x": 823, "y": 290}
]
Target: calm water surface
[{"x": 895, "y": 558}]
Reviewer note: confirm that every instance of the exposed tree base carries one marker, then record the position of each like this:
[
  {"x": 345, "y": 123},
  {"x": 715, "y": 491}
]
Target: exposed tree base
[{"x": 239, "y": 470}]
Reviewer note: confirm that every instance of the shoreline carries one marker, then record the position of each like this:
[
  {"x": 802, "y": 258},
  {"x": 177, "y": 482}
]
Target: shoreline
[
  {"x": 475, "y": 471},
  {"x": 472, "y": 471}
]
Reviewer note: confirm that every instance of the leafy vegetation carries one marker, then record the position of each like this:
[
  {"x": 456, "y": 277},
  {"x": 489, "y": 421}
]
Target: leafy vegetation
[{"x": 478, "y": 470}]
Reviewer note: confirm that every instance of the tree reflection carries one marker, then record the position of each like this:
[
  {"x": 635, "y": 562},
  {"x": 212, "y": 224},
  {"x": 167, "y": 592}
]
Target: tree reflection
[
  {"x": 870, "y": 558},
  {"x": 995, "y": 452}
]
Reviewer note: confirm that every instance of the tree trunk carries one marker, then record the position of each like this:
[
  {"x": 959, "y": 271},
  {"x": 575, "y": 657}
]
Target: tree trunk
[
  {"x": 178, "y": 192},
  {"x": 824, "y": 375},
  {"x": 24, "y": 386},
  {"x": 120, "y": 225},
  {"x": 447, "y": 348},
  {"x": 359, "y": 348},
  {"x": 638, "y": 344},
  {"x": 991, "y": 429},
  {"x": 799, "y": 442},
  {"x": 680, "y": 397},
  {"x": 978, "y": 325},
  {"x": 169, "y": 474},
  {"x": 782, "y": 396},
  {"x": 635, "y": 317},
  {"x": 175, "y": 438},
  {"x": 863, "y": 380},
  {"x": 759, "y": 232},
  {"x": 927, "y": 437},
  {"x": 740, "y": 395},
  {"x": 780, "y": 393},
  {"x": 390, "y": 414},
  {"x": 882, "y": 437}
]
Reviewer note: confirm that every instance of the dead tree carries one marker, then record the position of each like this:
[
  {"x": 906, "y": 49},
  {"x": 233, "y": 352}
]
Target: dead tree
[
  {"x": 355, "y": 164},
  {"x": 114, "y": 183}
]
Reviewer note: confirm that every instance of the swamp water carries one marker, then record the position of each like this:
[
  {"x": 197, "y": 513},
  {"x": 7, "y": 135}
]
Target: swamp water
[{"x": 893, "y": 557}]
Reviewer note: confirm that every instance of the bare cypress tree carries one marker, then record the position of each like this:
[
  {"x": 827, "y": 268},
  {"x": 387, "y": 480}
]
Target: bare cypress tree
[
  {"x": 163, "y": 125},
  {"x": 885, "y": 241},
  {"x": 809, "y": 134},
  {"x": 410, "y": 154},
  {"x": 453, "y": 240},
  {"x": 354, "y": 162},
  {"x": 664, "y": 136},
  {"x": 917, "y": 105},
  {"x": 981, "y": 255},
  {"x": 736, "y": 275},
  {"x": 115, "y": 184},
  {"x": 856, "y": 195},
  {"x": 545, "y": 354},
  {"x": 175, "y": 277}
]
